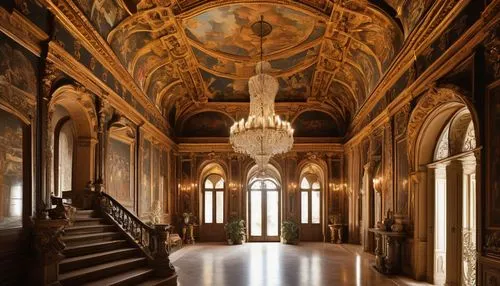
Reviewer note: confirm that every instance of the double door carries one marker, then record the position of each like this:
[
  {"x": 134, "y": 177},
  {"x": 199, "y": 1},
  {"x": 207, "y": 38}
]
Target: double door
[{"x": 264, "y": 215}]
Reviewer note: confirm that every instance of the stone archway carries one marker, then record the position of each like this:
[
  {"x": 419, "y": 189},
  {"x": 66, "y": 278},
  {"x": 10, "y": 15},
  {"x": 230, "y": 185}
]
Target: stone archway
[{"x": 78, "y": 106}]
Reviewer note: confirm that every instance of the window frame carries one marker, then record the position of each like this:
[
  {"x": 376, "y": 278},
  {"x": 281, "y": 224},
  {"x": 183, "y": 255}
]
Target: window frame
[
  {"x": 311, "y": 179},
  {"x": 214, "y": 192}
]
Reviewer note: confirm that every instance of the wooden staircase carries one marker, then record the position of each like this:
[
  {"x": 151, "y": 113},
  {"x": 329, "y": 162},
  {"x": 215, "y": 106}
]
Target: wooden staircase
[{"x": 99, "y": 253}]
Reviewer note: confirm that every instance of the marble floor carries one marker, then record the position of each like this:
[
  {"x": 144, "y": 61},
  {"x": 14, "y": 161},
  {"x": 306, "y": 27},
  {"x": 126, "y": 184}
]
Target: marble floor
[{"x": 266, "y": 264}]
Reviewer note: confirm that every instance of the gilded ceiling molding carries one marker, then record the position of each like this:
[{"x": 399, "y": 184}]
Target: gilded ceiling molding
[
  {"x": 165, "y": 92},
  {"x": 66, "y": 63},
  {"x": 227, "y": 148},
  {"x": 436, "y": 20},
  {"x": 459, "y": 51},
  {"x": 73, "y": 18},
  {"x": 23, "y": 31},
  {"x": 196, "y": 10},
  {"x": 296, "y": 69}
]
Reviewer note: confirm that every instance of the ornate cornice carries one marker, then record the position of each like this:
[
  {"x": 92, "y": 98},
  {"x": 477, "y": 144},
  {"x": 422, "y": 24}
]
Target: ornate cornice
[
  {"x": 23, "y": 31},
  {"x": 66, "y": 63},
  {"x": 227, "y": 148},
  {"x": 77, "y": 23},
  {"x": 435, "y": 21},
  {"x": 453, "y": 56}
]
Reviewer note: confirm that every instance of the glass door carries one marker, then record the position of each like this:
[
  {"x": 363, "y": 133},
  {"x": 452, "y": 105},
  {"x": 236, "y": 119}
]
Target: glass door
[{"x": 264, "y": 214}]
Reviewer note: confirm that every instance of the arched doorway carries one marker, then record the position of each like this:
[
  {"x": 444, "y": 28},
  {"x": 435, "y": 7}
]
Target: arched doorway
[
  {"x": 444, "y": 155},
  {"x": 264, "y": 205},
  {"x": 64, "y": 139},
  {"x": 312, "y": 198},
  {"x": 213, "y": 202},
  {"x": 73, "y": 136}
]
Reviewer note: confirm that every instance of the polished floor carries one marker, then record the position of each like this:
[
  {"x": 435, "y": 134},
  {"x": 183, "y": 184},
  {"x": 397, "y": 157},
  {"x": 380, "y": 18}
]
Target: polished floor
[{"x": 266, "y": 264}]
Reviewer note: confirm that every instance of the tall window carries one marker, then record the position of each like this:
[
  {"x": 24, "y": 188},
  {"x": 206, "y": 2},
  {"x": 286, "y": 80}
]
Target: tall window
[
  {"x": 310, "y": 189},
  {"x": 65, "y": 158},
  {"x": 214, "y": 199}
]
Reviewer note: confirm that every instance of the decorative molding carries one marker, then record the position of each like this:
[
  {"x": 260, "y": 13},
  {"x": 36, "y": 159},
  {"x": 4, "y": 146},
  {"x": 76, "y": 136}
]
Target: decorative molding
[
  {"x": 227, "y": 148},
  {"x": 72, "y": 17},
  {"x": 66, "y": 63},
  {"x": 23, "y": 31},
  {"x": 435, "y": 21}
]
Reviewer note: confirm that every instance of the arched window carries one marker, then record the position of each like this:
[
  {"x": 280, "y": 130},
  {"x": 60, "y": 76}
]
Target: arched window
[
  {"x": 64, "y": 157},
  {"x": 310, "y": 194},
  {"x": 213, "y": 192}
]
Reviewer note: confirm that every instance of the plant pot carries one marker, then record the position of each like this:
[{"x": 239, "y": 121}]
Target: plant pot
[{"x": 230, "y": 242}]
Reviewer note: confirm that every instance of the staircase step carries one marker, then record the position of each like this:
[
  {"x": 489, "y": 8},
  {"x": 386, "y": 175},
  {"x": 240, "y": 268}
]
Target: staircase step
[
  {"x": 86, "y": 213},
  {"x": 88, "y": 274},
  {"x": 81, "y": 239},
  {"x": 70, "y": 264},
  {"x": 83, "y": 229},
  {"x": 77, "y": 250},
  {"x": 131, "y": 277},
  {"x": 157, "y": 281},
  {"x": 80, "y": 221}
]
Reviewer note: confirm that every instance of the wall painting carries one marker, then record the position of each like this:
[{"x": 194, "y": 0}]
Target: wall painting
[{"x": 11, "y": 171}]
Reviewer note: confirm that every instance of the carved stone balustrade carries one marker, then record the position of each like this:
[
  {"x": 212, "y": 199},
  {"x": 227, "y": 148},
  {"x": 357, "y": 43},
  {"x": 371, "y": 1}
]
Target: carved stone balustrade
[{"x": 388, "y": 250}]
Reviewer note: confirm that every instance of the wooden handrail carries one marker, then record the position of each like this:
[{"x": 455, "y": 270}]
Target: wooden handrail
[
  {"x": 151, "y": 239},
  {"x": 129, "y": 213}
]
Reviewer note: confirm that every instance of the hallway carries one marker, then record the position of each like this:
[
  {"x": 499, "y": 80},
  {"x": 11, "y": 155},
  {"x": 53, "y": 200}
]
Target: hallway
[{"x": 277, "y": 264}]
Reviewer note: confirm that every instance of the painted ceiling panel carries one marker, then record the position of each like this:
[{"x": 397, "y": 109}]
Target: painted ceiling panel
[
  {"x": 323, "y": 52},
  {"x": 227, "y": 29}
]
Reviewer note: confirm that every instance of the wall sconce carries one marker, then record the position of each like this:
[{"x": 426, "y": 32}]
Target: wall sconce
[
  {"x": 377, "y": 183},
  {"x": 337, "y": 187},
  {"x": 233, "y": 186},
  {"x": 292, "y": 187},
  {"x": 187, "y": 187}
]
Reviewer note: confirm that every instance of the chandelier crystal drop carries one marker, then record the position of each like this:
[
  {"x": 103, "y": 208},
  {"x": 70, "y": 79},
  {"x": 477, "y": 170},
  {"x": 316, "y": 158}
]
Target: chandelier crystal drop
[{"x": 262, "y": 134}]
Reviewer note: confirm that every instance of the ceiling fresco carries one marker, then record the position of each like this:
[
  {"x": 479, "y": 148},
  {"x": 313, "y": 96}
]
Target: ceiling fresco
[
  {"x": 227, "y": 29},
  {"x": 326, "y": 53}
]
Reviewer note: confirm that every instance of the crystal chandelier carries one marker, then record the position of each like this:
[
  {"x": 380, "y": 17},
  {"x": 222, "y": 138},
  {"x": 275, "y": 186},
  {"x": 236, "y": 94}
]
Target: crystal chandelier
[{"x": 263, "y": 134}]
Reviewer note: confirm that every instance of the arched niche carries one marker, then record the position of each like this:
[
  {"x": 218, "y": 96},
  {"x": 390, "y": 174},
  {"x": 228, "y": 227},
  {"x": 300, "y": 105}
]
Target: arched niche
[
  {"x": 313, "y": 123},
  {"x": 74, "y": 103},
  {"x": 205, "y": 124},
  {"x": 121, "y": 162}
]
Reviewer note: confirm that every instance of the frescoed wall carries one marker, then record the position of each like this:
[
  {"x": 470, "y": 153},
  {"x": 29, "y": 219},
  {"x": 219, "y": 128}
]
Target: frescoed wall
[
  {"x": 11, "y": 171},
  {"x": 314, "y": 124},
  {"x": 119, "y": 170},
  {"x": 207, "y": 124}
]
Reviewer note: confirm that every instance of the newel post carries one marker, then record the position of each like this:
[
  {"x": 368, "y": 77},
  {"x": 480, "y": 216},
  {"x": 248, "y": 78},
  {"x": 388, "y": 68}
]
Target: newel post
[
  {"x": 162, "y": 265},
  {"x": 49, "y": 248}
]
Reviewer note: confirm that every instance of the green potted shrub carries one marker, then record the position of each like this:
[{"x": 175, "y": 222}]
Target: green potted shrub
[
  {"x": 290, "y": 232},
  {"x": 235, "y": 231}
]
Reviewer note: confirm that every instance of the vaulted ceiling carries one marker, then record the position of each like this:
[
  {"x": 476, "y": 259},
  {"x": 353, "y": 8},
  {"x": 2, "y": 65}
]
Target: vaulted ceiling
[{"x": 193, "y": 56}]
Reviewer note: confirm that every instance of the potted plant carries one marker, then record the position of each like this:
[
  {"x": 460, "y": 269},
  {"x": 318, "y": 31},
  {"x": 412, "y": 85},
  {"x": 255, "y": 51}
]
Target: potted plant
[
  {"x": 290, "y": 232},
  {"x": 235, "y": 231}
]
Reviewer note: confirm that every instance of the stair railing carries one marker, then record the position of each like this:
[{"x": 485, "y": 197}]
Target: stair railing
[{"x": 151, "y": 239}]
